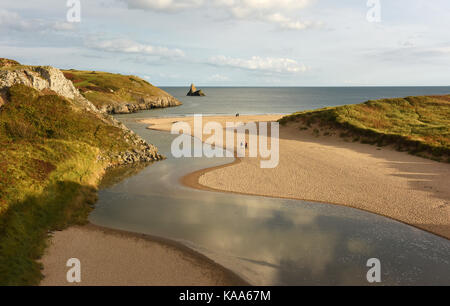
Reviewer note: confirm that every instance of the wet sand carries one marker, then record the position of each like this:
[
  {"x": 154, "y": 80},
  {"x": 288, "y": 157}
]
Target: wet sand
[
  {"x": 118, "y": 258},
  {"x": 329, "y": 169}
]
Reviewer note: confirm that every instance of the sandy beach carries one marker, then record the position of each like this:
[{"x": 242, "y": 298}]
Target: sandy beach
[
  {"x": 329, "y": 169},
  {"x": 117, "y": 258}
]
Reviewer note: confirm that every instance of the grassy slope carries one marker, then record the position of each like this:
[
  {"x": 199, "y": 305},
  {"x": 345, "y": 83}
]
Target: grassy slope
[
  {"x": 419, "y": 125},
  {"x": 48, "y": 174},
  {"x": 102, "y": 88}
]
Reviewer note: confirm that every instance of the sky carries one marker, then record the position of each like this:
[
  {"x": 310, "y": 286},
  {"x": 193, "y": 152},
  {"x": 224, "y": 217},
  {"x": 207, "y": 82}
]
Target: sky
[{"x": 236, "y": 42}]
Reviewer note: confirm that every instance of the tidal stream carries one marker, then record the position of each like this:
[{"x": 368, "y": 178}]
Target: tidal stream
[{"x": 266, "y": 241}]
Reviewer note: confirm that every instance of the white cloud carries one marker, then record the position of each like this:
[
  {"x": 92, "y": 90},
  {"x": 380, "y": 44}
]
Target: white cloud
[
  {"x": 287, "y": 23},
  {"x": 407, "y": 43},
  {"x": 14, "y": 22},
  {"x": 414, "y": 55},
  {"x": 257, "y": 63},
  {"x": 219, "y": 78},
  {"x": 441, "y": 50},
  {"x": 164, "y": 5},
  {"x": 131, "y": 47},
  {"x": 63, "y": 26},
  {"x": 266, "y": 4},
  {"x": 244, "y": 8},
  {"x": 238, "y": 6},
  {"x": 269, "y": 11}
]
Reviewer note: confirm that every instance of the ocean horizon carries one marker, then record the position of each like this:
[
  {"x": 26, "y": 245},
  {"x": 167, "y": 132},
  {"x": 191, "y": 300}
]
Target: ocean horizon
[{"x": 278, "y": 100}]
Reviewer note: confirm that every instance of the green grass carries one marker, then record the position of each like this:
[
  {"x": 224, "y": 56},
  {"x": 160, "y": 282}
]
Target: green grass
[
  {"x": 102, "y": 88},
  {"x": 11, "y": 65},
  {"x": 49, "y": 172},
  {"x": 419, "y": 125},
  {"x": 6, "y": 64}
]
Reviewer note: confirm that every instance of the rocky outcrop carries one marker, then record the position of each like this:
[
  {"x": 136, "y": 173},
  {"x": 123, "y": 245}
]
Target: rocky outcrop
[
  {"x": 39, "y": 78},
  {"x": 114, "y": 93},
  {"x": 193, "y": 92},
  {"x": 44, "y": 78},
  {"x": 48, "y": 78},
  {"x": 141, "y": 152},
  {"x": 144, "y": 103}
]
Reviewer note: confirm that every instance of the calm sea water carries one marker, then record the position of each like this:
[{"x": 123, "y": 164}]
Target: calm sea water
[
  {"x": 268, "y": 241},
  {"x": 227, "y": 100}
]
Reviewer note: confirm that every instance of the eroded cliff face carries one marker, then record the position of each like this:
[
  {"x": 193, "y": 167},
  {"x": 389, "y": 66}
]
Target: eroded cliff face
[
  {"x": 39, "y": 78},
  {"x": 144, "y": 103},
  {"x": 43, "y": 78},
  {"x": 46, "y": 78}
]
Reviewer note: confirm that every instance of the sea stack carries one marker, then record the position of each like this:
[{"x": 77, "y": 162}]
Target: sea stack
[{"x": 193, "y": 92}]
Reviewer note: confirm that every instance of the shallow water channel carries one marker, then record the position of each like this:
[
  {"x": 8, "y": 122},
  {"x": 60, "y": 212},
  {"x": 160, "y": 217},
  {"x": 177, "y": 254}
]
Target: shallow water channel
[{"x": 266, "y": 241}]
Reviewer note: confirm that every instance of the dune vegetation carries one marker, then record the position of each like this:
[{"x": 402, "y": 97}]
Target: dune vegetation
[
  {"x": 418, "y": 125},
  {"x": 52, "y": 155}
]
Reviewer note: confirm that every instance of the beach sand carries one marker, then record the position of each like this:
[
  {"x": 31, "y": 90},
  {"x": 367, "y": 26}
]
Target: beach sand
[
  {"x": 118, "y": 258},
  {"x": 329, "y": 169}
]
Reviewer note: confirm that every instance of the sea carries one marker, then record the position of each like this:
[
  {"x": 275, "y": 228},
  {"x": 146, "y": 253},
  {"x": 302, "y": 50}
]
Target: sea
[{"x": 280, "y": 100}]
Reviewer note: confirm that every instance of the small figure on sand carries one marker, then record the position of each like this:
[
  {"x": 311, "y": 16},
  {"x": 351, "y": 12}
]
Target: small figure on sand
[{"x": 237, "y": 115}]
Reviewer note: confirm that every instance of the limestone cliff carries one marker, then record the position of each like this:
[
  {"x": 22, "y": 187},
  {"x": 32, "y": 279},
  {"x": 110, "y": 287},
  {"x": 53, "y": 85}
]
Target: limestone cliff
[
  {"x": 115, "y": 93},
  {"x": 48, "y": 79},
  {"x": 43, "y": 78},
  {"x": 143, "y": 103}
]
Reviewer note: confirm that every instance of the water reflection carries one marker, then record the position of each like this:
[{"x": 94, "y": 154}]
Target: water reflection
[{"x": 269, "y": 241}]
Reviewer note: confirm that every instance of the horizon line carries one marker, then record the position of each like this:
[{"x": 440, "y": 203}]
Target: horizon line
[{"x": 299, "y": 86}]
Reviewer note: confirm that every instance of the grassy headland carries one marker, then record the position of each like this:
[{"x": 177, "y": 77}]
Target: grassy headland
[
  {"x": 111, "y": 92},
  {"x": 52, "y": 156},
  {"x": 419, "y": 125}
]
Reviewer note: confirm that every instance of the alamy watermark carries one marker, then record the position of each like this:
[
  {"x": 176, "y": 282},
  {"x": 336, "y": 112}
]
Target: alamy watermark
[
  {"x": 374, "y": 12},
  {"x": 233, "y": 143},
  {"x": 374, "y": 273},
  {"x": 74, "y": 273},
  {"x": 74, "y": 11}
]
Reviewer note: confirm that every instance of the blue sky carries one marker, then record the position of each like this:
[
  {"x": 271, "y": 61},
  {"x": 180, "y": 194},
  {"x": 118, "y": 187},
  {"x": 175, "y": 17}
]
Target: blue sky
[{"x": 237, "y": 42}]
